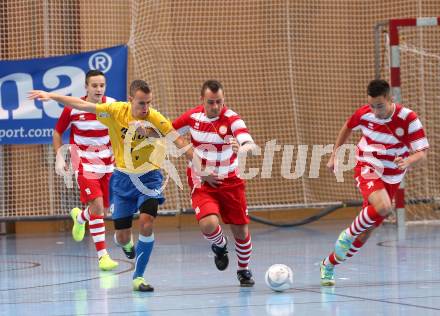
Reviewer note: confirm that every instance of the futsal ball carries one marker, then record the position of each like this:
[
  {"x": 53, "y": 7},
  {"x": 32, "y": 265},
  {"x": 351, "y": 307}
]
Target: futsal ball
[{"x": 279, "y": 277}]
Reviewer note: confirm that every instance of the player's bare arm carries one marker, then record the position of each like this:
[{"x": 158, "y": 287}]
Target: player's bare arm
[
  {"x": 343, "y": 135},
  {"x": 412, "y": 160},
  {"x": 181, "y": 143},
  {"x": 247, "y": 147},
  {"x": 60, "y": 163},
  {"x": 73, "y": 102}
]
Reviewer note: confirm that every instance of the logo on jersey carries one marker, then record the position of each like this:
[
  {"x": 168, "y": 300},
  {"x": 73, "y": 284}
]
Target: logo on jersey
[
  {"x": 223, "y": 130},
  {"x": 197, "y": 125},
  {"x": 399, "y": 131},
  {"x": 370, "y": 184},
  {"x": 197, "y": 210},
  {"x": 88, "y": 191}
]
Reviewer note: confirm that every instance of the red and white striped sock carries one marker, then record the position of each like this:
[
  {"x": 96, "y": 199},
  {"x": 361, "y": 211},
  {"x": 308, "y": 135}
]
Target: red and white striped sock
[
  {"x": 97, "y": 230},
  {"x": 84, "y": 216},
  {"x": 217, "y": 238},
  {"x": 367, "y": 217},
  {"x": 355, "y": 246},
  {"x": 333, "y": 260},
  {"x": 243, "y": 249}
]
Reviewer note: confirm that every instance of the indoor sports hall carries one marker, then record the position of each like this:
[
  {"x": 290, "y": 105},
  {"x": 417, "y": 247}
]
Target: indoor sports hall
[{"x": 295, "y": 71}]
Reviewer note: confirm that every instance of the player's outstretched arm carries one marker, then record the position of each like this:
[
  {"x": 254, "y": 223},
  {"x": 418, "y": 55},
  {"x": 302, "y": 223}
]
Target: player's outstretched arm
[
  {"x": 343, "y": 135},
  {"x": 73, "y": 102},
  {"x": 182, "y": 143}
]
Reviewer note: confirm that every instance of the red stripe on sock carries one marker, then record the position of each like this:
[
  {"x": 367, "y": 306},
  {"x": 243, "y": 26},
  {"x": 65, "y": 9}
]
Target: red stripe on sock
[
  {"x": 373, "y": 214},
  {"x": 243, "y": 252},
  {"x": 99, "y": 225},
  {"x": 84, "y": 218},
  {"x": 100, "y": 245},
  {"x": 216, "y": 231},
  {"x": 332, "y": 259}
]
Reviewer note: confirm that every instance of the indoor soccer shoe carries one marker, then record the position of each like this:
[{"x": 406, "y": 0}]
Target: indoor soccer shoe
[
  {"x": 245, "y": 278},
  {"x": 343, "y": 245},
  {"x": 221, "y": 257},
  {"x": 327, "y": 274},
  {"x": 140, "y": 285},
  {"x": 78, "y": 230},
  {"x": 106, "y": 263},
  {"x": 129, "y": 251}
]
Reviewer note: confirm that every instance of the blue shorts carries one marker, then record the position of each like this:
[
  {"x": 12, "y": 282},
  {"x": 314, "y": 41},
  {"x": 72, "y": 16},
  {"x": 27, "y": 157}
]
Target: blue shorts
[{"x": 129, "y": 192}]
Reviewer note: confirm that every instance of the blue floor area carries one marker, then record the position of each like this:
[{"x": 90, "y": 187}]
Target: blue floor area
[{"x": 391, "y": 275}]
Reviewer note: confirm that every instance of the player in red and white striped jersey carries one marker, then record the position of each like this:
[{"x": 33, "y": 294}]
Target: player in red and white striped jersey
[
  {"x": 212, "y": 126},
  {"x": 92, "y": 160},
  {"x": 393, "y": 139}
]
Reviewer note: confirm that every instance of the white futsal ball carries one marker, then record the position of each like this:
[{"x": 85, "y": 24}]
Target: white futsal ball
[{"x": 279, "y": 277}]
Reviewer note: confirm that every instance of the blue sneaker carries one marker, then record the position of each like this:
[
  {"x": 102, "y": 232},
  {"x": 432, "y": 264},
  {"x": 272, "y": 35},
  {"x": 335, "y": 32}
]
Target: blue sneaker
[
  {"x": 343, "y": 245},
  {"x": 327, "y": 274}
]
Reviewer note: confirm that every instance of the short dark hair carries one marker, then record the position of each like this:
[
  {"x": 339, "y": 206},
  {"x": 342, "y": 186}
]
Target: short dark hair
[
  {"x": 139, "y": 84},
  {"x": 378, "y": 87},
  {"x": 93, "y": 73},
  {"x": 212, "y": 85}
]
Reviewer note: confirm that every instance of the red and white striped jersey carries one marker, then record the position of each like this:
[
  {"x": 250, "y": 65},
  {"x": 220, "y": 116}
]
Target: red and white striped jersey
[
  {"x": 90, "y": 137},
  {"x": 210, "y": 137},
  {"x": 385, "y": 139}
]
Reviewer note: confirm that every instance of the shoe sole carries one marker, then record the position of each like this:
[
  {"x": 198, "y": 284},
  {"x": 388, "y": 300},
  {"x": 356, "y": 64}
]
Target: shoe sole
[
  {"x": 247, "y": 285},
  {"x": 327, "y": 283},
  {"x": 109, "y": 268},
  {"x": 147, "y": 289},
  {"x": 131, "y": 256}
]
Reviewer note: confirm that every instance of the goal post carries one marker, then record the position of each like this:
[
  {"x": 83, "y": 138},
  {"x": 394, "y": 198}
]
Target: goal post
[{"x": 409, "y": 57}]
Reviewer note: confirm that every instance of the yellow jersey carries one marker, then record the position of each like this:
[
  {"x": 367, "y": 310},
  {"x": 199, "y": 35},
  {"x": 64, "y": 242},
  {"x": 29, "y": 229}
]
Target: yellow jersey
[{"x": 133, "y": 153}]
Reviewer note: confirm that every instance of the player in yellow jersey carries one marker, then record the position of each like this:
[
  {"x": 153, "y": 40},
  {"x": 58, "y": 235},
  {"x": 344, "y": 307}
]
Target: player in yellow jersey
[{"x": 136, "y": 183}]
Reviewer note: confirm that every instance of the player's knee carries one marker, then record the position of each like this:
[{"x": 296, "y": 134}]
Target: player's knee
[
  {"x": 97, "y": 211},
  {"x": 149, "y": 207},
  {"x": 385, "y": 209},
  {"x": 96, "y": 208},
  {"x": 209, "y": 224}
]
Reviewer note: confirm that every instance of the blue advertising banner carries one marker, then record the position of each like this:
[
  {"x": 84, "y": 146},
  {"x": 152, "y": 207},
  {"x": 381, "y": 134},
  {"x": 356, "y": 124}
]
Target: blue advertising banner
[{"x": 24, "y": 121}]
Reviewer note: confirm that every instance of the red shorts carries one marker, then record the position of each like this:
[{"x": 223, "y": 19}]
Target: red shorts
[
  {"x": 368, "y": 186},
  {"x": 227, "y": 201},
  {"x": 92, "y": 186}
]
